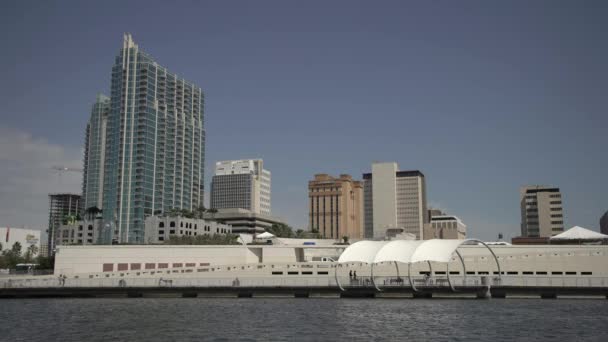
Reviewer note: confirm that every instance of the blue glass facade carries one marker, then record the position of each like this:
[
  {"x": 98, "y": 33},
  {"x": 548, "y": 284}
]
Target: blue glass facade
[{"x": 155, "y": 144}]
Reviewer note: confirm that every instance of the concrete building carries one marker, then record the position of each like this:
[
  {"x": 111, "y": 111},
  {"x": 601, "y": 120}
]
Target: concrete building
[
  {"x": 25, "y": 237},
  {"x": 394, "y": 199},
  {"x": 542, "y": 214},
  {"x": 62, "y": 208},
  {"x": 445, "y": 227},
  {"x": 94, "y": 153},
  {"x": 242, "y": 220},
  {"x": 155, "y": 144},
  {"x": 604, "y": 223},
  {"x": 336, "y": 206},
  {"x": 87, "y": 232},
  {"x": 44, "y": 250},
  {"x": 243, "y": 184},
  {"x": 159, "y": 229}
]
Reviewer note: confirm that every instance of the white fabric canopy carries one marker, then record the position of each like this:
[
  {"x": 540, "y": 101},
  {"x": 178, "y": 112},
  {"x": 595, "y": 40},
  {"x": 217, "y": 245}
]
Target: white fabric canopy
[
  {"x": 579, "y": 233},
  {"x": 436, "y": 250},
  {"x": 398, "y": 250},
  {"x": 264, "y": 235},
  {"x": 362, "y": 251}
]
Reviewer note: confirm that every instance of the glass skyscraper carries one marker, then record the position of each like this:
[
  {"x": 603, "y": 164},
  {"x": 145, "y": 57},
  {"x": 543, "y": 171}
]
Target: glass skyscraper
[
  {"x": 94, "y": 153},
  {"x": 155, "y": 139}
]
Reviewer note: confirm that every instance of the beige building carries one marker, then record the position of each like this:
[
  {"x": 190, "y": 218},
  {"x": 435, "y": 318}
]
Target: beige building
[
  {"x": 542, "y": 214},
  {"x": 394, "y": 199},
  {"x": 336, "y": 206}
]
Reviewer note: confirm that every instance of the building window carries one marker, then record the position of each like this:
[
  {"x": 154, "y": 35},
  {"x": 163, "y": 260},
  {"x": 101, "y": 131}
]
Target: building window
[
  {"x": 176, "y": 265},
  {"x": 123, "y": 267},
  {"x": 172, "y": 224},
  {"x": 161, "y": 225},
  {"x": 135, "y": 267},
  {"x": 90, "y": 227},
  {"x": 108, "y": 267},
  {"x": 163, "y": 265},
  {"x": 150, "y": 266}
]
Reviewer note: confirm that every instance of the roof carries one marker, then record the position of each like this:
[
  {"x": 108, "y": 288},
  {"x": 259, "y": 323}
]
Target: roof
[
  {"x": 404, "y": 251},
  {"x": 579, "y": 233}
]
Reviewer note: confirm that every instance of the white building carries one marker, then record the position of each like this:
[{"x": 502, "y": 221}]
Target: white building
[
  {"x": 445, "y": 227},
  {"x": 243, "y": 184},
  {"x": 25, "y": 237},
  {"x": 394, "y": 199},
  {"x": 159, "y": 229},
  {"x": 85, "y": 232}
]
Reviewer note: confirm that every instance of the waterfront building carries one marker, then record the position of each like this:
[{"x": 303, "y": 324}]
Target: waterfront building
[
  {"x": 243, "y": 184},
  {"x": 94, "y": 153},
  {"x": 63, "y": 208},
  {"x": 86, "y": 232},
  {"x": 336, "y": 206},
  {"x": 155, "y": 145},
  {"x": 604, "y": 223},
  {"x": 160, "y": 228},
  {"x": 445, "y": 227},
  {"x": 542, "y": 214},
  {"x": 25, "y": 237},
  {"x": 394, "y": 199},
  {"x": 242, "y": 220}
]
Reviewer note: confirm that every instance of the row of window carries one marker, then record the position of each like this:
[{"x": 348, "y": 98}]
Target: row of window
[
  {"x": 510, "y": 273},
  {"x": 148, "y": 266}
]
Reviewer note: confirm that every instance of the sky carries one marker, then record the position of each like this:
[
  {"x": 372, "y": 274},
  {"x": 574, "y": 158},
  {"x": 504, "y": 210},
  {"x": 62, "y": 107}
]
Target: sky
[{"x": 481, "y": 96}]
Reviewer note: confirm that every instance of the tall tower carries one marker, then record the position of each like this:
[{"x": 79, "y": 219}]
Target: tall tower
[
  {"x": 542, "y": 214},
  {"x": 155, "y": 144},
  {"x": 394, "y": 199},
  {"x": 94, "y": 153},
  {"x": 241, "y": 184}
]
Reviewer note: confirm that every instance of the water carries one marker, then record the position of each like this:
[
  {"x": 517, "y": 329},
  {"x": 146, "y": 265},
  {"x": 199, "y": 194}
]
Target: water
[{"x": 276, "y": 319}]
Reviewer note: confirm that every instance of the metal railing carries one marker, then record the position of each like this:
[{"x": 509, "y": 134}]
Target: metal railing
[{"x": 307, "y": 281}]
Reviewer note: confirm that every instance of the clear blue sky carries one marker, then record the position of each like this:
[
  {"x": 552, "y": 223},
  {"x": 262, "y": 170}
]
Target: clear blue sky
[{"x": 481, "y": 96}]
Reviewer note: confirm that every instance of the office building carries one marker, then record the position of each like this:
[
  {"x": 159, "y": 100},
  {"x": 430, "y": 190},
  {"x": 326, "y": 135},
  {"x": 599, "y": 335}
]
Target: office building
[
  {"x": 541, "y": 211},
  {"x": 87, "y": 232},
  {"x": 155, "y": 145},
  {"x": 63, "y": 209},
  {"x": 94, "y": 153},
  {"x": 336, "y": 206},
  {"x": 243, "y": 220},
  {"x": 394, "y": 199},
  {"x": 604, "y": 223},
  {"x": 243, "y": 184},
  {"x": 445, "y": 227},
  {"x": 161, "y": 228}
]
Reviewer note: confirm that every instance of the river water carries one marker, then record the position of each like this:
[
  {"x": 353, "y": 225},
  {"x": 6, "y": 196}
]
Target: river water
[{"x": 289, "y": 319}]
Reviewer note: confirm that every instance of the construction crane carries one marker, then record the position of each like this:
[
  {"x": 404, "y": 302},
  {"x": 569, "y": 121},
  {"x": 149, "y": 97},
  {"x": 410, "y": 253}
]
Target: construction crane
[{"x": 62, "y": 169}]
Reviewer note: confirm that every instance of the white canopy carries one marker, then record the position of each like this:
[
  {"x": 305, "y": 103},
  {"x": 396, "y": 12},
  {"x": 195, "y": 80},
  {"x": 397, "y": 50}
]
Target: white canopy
[
  {"x": 404, "y": 251},
  {"x": 362, "y": 251},
  {"x": 264, "y": 235},
  {"x": 579, "y": 233}
]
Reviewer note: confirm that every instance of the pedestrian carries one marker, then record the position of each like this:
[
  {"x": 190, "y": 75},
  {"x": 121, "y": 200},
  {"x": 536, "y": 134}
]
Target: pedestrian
[
  {"x": 350, "y": 274},
  {"x": 355, "y": 275}
]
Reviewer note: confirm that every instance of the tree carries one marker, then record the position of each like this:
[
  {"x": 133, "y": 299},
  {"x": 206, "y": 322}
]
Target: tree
[
  {"x": 281, "y": 230},
  {"x": 30, "y": 253},
  {"x": 16, "y": 249}
]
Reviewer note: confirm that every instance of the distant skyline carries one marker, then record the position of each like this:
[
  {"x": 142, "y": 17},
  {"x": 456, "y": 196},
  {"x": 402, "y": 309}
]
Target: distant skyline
[{"x": 482, "y": 97}]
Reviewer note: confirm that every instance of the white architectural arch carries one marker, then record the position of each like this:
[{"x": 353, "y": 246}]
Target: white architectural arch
[{"x": 407, "y": 252}]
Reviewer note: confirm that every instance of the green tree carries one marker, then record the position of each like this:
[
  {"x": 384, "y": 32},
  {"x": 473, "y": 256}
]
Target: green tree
[
  {"x": 30, "y": 253},
  {"x": 16, "y": 249},
  {"x": 281, "y": 230},
  {"x": 46, "y": 263}
]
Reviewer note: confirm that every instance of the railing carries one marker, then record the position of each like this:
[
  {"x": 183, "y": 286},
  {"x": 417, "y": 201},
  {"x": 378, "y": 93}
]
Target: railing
[{"x": 420, "y": 282}]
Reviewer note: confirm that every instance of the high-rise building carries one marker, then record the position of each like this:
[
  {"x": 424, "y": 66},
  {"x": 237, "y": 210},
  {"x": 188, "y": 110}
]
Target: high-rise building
[
  {"x": 155, "y": 144},
  {"x": 604, "y": 223},
  {"x": 243, "y": 184},
  {"x": 63, "y": 208},
  {"x": 94, "y": 153},
  {"x": 336, "y": 206},
  {"x": 394, "y": 199},
  {"x": 542, "y": 214}
]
